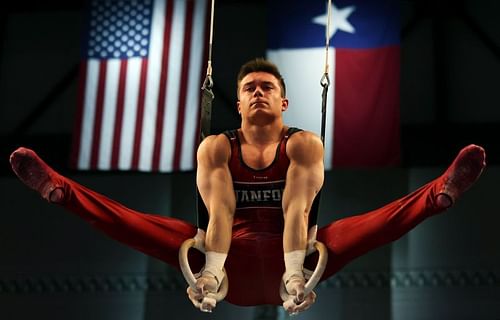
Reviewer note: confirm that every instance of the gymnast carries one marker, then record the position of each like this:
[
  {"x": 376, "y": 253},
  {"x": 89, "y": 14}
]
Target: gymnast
[{"x": 258, "y": 184}]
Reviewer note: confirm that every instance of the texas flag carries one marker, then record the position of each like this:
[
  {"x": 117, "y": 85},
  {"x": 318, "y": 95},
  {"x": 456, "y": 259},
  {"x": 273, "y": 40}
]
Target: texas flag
[{"x": 362, "y": 124}]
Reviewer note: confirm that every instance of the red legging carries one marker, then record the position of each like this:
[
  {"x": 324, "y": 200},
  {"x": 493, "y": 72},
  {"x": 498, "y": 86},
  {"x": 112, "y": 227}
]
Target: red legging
[{"x": 255, "y": 262}]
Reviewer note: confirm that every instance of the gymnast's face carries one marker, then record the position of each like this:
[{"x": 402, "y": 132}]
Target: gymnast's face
[{"x": 259, "y": 96}]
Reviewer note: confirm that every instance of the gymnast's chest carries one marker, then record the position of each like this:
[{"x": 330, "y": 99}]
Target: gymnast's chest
[
  {"x": 259, "y": 187},
  {"x": 259, "y": 158}
]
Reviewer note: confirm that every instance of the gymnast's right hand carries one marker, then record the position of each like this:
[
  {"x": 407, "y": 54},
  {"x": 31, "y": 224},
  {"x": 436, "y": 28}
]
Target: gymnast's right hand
[{"x": 202, "y": 297}]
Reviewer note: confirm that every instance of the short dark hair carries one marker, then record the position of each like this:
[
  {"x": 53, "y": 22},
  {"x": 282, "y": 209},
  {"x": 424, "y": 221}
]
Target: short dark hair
[{"x": 261, "y": 65}]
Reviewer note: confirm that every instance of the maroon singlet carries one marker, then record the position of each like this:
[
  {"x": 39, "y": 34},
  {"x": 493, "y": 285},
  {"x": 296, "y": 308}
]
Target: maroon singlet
[{"x": 258, "y": 192}]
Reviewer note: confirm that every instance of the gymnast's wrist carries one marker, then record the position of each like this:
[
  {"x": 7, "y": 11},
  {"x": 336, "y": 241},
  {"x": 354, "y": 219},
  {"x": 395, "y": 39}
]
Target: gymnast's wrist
[{"x": 214, "y": 262}]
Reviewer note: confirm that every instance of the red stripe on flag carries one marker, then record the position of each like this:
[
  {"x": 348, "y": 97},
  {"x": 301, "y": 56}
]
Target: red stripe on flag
[
  {"x": 115, "y": 155},
  {"x": 77, "y": 130},
  {"x": 160, "y": 113},
  {"x": 186, "y": 53},
  {"x": 140, "y": 115},
  {"x": 96, "y": 136},
  {"x": 366, "y": 129}
]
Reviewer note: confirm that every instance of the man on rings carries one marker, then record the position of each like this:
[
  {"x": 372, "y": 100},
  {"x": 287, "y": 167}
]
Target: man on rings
[{"x": 258, "y": 184}]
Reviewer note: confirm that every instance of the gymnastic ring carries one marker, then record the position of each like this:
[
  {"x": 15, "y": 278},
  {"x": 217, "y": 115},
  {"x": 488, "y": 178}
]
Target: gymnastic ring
[
  {"x": 189, "y": 276},
  {"x": 315, "y": 276}
]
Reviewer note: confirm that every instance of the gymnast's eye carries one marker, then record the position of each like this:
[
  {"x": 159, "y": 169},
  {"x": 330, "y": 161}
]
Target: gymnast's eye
[
  {"x": 267, "y": 87},
  {"x": 249, "y": 88}
]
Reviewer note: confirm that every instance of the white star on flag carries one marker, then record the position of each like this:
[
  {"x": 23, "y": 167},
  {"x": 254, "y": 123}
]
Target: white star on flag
[
  {"x": 362, "y": 117},
  {"x": 338, "y": 19}
]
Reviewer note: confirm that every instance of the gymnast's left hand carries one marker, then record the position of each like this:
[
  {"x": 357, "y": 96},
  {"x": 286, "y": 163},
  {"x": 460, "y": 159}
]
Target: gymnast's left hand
[
  {"x": 299, "y": 302},
  {"x": 296, "y": 307},
  {"x": 205, "y": 285}
]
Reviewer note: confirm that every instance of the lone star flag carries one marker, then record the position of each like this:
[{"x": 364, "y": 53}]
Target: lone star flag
[
  {"x": 363, "y": 103},
  {"x": 140, "y": 85}
]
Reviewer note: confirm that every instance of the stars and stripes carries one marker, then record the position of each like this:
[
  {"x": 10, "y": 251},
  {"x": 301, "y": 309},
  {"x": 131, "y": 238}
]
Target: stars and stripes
[{"x": 140, "y": 85}]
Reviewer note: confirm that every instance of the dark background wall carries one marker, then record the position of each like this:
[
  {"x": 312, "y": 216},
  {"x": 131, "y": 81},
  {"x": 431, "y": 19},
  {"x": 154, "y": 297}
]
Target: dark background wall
[{"x": 54, "y": 266}]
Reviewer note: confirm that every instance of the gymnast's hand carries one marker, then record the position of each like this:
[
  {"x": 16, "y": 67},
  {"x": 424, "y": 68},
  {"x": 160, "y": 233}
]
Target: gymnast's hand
[
  {"x": 295, "y": 287},
  {"x": 206, "y": 285}
]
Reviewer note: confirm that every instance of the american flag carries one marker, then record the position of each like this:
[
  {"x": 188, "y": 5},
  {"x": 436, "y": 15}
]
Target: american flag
[
  {"x": 364, "y": 58},
  {"x": 141, "y": 74}
]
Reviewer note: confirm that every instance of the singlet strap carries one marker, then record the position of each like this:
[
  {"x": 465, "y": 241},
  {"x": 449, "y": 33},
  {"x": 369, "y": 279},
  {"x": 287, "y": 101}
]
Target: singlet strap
[
  {"x": 231, "y": 134},
  {"x": 291, "y": 131}
]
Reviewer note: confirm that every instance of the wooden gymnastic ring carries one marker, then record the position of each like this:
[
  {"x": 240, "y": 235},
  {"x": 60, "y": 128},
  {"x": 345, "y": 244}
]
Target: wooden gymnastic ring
[{"x": 189, "y": 276}]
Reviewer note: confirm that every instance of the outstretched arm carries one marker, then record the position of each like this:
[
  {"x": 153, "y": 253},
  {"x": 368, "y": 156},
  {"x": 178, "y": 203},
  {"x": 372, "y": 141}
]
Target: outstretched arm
[{"x": 304, "y": 180}]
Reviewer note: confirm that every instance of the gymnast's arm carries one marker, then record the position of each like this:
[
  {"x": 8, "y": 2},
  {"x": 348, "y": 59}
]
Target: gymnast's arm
[
  {"x": 303, "y": 181},
  {"x": 215, "y": 185}
]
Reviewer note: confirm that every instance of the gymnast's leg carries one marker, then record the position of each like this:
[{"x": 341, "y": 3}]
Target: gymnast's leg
[
  {"x": 154, "y": 235},
  {"x": 352, "y": 237}
]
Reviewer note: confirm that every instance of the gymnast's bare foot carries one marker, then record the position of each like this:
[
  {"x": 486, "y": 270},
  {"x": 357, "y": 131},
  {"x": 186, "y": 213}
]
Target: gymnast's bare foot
[
  {"x": 36, "y": 174},
  {"x": 461, "y": 175}
]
